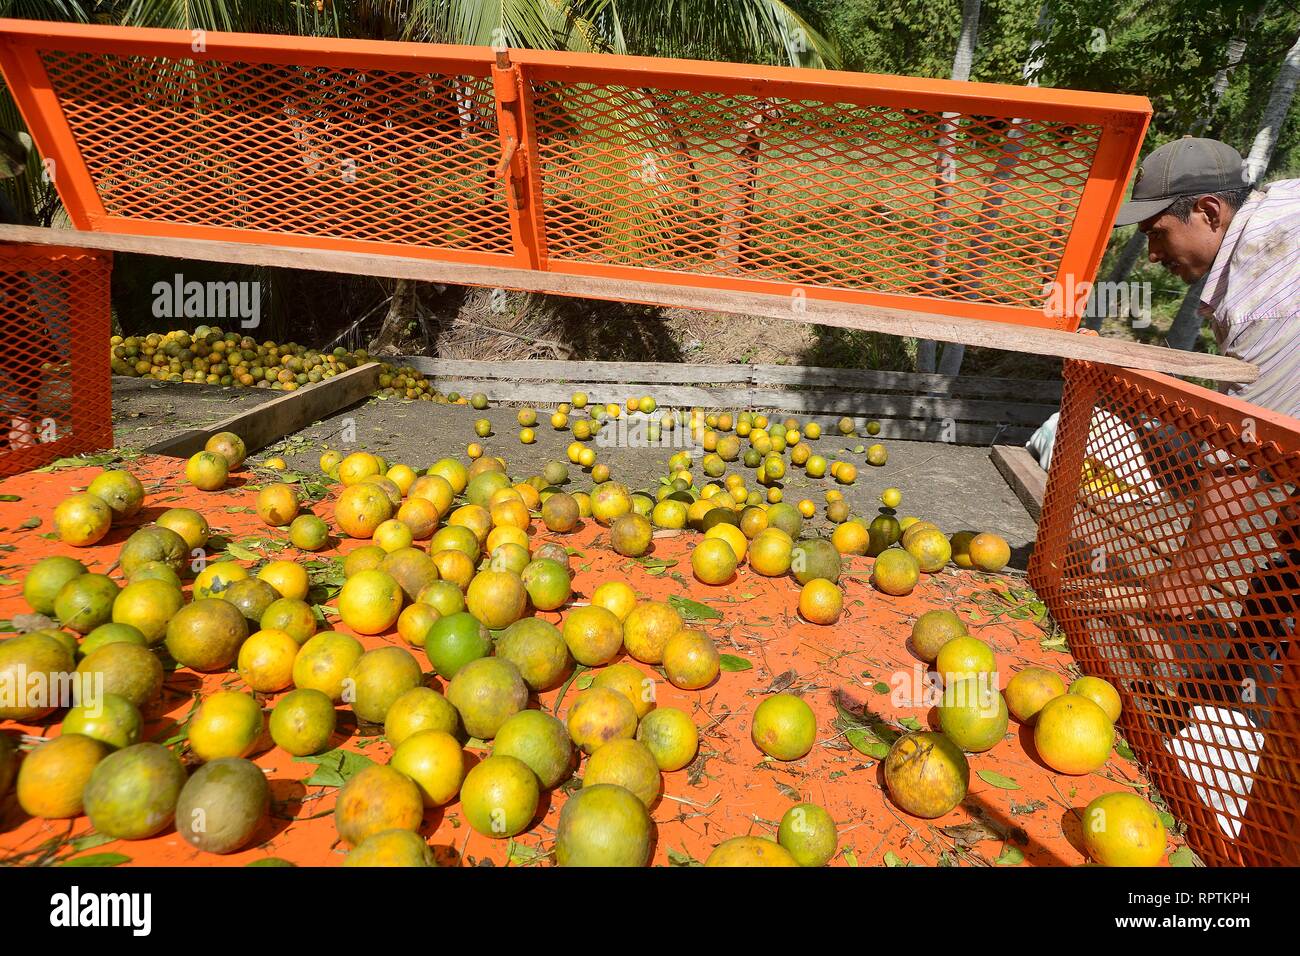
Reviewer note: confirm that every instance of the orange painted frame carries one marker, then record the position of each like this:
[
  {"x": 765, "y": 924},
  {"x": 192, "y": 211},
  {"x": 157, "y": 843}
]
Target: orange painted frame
[{"x": 1122, "y": 119}]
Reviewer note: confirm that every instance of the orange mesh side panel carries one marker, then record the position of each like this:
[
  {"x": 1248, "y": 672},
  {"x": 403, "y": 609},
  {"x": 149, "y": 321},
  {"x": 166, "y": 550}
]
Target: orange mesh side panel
[
  {"x": 395, "y": 157},
  {"x": 817, "y": 192},
  {"x": 55, "y": 391},
  {"x": 1169, "y": 551}
]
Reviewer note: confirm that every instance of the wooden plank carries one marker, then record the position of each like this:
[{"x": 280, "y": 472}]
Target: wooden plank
[
  {"x": 905, "y": 406},
  {"x": 269, "y": 422},
  {"x": 546, "y": 370},
  {"x": 1025, "y": 476},
  {"x": 658, "y": 291},
  {"x": 912, "y": 382}
]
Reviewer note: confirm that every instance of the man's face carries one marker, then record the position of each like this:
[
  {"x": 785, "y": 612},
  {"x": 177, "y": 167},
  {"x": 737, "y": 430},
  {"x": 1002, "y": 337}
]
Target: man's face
[{"x": 1187, "y": 249}]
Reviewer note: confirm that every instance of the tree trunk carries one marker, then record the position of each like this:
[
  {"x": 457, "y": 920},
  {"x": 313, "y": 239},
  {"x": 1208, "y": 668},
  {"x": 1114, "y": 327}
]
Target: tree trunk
[
  {"x": 961, "y": 67},
  {"x": 953, "y": 353},
  {"x": 1279, "y": 103},
  {"x": 1182, "y": 334},
  {"x": 1132, "y": 250},
  {"x": 401, "y": 313},
  {"x": 1187, "y": 323}
]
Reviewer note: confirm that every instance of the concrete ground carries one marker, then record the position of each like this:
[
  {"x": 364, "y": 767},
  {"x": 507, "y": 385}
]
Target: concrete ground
[{"x": 955, "y": 486}]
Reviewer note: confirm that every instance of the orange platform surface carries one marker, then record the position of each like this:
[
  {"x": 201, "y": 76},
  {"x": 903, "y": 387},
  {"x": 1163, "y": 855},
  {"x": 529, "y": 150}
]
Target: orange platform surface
[{"x": 1017, "y": 811}]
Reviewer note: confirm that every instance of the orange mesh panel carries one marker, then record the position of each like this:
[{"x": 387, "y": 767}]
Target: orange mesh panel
[
  {"x": 1168, "y": 551},
  {"x": 956, "y": 198},
  {"x": 55, "y": 393},
  {"x": 396, "y": 157},
  {"x": 816, "y": 192}
]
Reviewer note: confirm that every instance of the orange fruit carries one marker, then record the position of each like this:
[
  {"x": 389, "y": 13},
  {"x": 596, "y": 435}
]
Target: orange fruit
[
  {"x": 784, "y": 727},
  {"x": 435, "y": 761},
  {"x": 403, "y": 476},
  {"x": 82, "y": 520},
  {"x": 930, "y": 548},
  {"x": 294, "y": 617},
  {"x": 392, "y": 535},
  {"x": 325, "y": 662},
  {"x": 932, "y": 630},
  {"x": 1100, "y": 692},
  {"x": 1122, "y": 829},
  {"x": 187, "y": 523},
  {"x": 474, "y": 517},
  {"x": 510, "y": 513},
  {"x": 989, "y": 552},
  {"x": 1073, "y": 735},
  {"x": 615, "y": 596},
  {"x": 53, "y": 777},
  {"x": 265, "y": 661},
  {"x": 309, "y": 533},
  {"x": 960, "y": 543},
  {"x": 361, "y": 508},
  {"x": 226, "y": 724},
  {"x": 926, "y": 774},
  {"x": 499, "y": 796},
  {"x": 973, "y": 714},
  {"x": 599, "y": 715},
  {"x": 750, "y": 851},
  {"x": 731, "y": 534},
  {"x": 630, "y": 535},
  {"x": 851, "y": 537},
  {"x": 435, "y": 489},
  {"x": 454, "y": 566},
  {"x": 358, "y": 466},
  {"x": 289, "y": 579},
  {"x": 207, "y": 471},
  {"x": 691, "y": 661},
  {"x": 121, "y": 491},
  {"x": 647, "y": 629},
  {"x": 547, "y": 582},
  {"x": 671, "y": 736},
  {"x": 714, "y": 561},
  {"x": 593, "y": 634},
  {"x": 807, "y": 507},
  {"x": 414, "y": 623},
  {"x": 370, "y": 601},
  {"x": 451, "y": 471},
  {"x": 771, "y": 552},
  {"x": 229, "y": 446},
  {"x": 1029, "y": 689},
  {"x": 277, "y": 504},
  {"x": 895, "y": 572},
  {"x": 506, "y": 534},
  {"x": 626, "y": 763},
  {"x": 377, "y": 799},
  {"x": 630, "y": 681},
  {"x": 964, "y": 656},
  {"x": 820, "y": 602},
  {"x": 456, "y": 537},
  {"x": 497, "y": 598}
]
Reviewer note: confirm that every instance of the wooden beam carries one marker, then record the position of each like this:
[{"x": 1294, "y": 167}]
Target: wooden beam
[
  {"x": 660, "y": 292},
  {"x": 271, "y": 421},
  {"x": 1026, "y": 478}
]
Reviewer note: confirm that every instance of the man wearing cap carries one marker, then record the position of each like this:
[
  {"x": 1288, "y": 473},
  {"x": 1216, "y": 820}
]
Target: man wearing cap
[{"x": 1202, "y": 220}]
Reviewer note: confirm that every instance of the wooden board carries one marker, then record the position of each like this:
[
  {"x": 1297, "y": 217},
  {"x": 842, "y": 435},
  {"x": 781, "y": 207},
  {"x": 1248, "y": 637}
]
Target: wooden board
[
  {"x": 813, "y": 311},
  {"x": 273, "y": 420},
  {"x": 1025, "y": 476},
  {"x": 915, "y": 383}
]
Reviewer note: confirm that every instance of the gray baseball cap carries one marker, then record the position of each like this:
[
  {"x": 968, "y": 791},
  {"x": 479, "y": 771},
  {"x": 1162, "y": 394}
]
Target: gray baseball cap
[{"x": 1186, "y": 167}]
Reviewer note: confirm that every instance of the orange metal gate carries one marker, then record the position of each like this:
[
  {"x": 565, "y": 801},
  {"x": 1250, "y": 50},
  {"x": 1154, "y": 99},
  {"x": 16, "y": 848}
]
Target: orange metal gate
[
  {"x": 1169, "y": 551},
  {"x": 55, "y": 394},
  {"x": 954, "y": 198}
]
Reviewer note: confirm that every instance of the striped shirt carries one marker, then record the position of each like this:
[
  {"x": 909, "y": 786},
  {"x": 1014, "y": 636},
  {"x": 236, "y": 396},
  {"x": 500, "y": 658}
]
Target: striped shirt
[{"x": 1252, "y": 296}]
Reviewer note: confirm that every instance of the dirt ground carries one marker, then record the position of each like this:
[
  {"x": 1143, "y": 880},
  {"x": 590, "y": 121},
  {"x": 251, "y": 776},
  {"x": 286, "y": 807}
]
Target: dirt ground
[
  {"x": 859, "y": 676},
  {"x": 955, "y": 486},
  {"x": 145, "y": 411}
]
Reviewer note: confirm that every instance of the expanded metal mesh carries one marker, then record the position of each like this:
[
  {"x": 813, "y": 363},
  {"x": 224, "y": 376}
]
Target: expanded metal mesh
[
  {"x": 1168, "y": 551},
  {"x": 394, "y": 157},
  {"x": 55, "y": 392},
  {"x": 815, "y": 192},
  {"x": 962, "y": 199}
]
